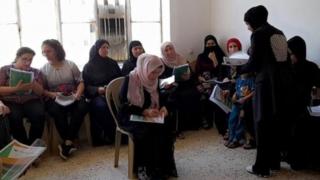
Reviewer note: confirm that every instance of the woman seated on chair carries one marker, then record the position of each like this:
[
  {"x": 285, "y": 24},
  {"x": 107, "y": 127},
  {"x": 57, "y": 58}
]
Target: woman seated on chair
[
  {"x": 23, "y": 98},
  {"x": 63, "y": 79},
  {"x": 97, "y": 74},
  {"x": 185, "y": 98},
  {"x": 139, "y": 95}
]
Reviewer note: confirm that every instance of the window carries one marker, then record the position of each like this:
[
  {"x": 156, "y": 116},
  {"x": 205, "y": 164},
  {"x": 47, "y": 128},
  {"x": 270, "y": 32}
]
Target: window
[
  {"x": 150, "y": 24},
  {"x": 37, "y": 25},
  {"x": 9, "y": 31},
  {"x": 77, "y": 20},
  {"x": 78, "y": 23}
]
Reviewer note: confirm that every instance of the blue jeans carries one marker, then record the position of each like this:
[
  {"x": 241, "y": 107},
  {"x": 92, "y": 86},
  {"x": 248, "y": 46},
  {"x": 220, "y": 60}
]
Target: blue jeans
[{"x": 235, "y": 124}]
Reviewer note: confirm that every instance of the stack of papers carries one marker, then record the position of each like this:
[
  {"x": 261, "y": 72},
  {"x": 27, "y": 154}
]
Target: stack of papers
[
  {"x": 314, "y": 111},
  {"x": 236, "y": 59}
]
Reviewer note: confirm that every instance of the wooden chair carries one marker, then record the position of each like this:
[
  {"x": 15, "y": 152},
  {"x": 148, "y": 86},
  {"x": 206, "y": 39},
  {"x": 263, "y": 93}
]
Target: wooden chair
[{"x": 112, "y": 97}]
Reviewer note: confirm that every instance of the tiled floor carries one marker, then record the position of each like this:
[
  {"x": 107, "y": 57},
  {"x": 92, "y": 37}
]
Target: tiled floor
[{"x": 201, "y": 156}]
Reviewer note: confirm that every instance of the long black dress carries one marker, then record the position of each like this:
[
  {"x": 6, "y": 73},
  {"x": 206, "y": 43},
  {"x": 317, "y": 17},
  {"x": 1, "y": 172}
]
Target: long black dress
[
  {"x": 154, "y": 143},
  {"x": 98, "y": 72},
  {"x": 305, "y": 129},
  {"x": 186, "y": 99},
  {"x": 272, "y": 98},
  {"x": 205, "y": 69}
]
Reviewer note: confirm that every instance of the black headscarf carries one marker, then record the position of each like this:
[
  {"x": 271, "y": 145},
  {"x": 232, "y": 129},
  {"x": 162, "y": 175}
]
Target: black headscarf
[
  {"x": 132, "y": 45},
  {"x": 256, "y": 16},
  {"x": 94, "y": 51},
  {"x": 216, "y": 49},
  {"x": 298, "y": 47}
]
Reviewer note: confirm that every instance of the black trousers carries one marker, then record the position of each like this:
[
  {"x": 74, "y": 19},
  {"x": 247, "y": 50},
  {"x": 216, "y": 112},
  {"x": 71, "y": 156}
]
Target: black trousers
[
  {"x": 5, "y": 136},
  {"x": 68, "y": 128},
  {"x": 101, "y": 121},
  {"x": 34, "y": 111}
]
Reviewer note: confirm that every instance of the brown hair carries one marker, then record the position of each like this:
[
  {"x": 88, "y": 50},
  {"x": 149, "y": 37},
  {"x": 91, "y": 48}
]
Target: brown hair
[
  {"x": 23, "y": 50},
  {"x": 57, "y": 46}
]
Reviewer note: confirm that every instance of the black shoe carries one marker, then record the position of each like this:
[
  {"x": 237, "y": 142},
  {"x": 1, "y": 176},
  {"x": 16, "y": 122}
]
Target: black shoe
[
  {"x": 234, "y": 144},
  {"x": 63, "y": 152},
  {"x": 260, "y": 174},
  {"x": 180, "y": 135},
  {"x": 206, "y": 125},
  {"x": 250, "y": 145},
  {"x": 70, "y": 149},
  {"x": 142, "y": 173}
]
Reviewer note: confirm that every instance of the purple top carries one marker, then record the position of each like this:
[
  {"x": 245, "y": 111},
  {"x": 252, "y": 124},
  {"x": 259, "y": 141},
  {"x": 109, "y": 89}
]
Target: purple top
[{"x": 19, "y": 98}]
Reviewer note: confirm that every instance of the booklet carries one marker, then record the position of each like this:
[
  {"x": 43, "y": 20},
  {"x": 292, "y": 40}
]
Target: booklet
[
  {"x": 314, "y": 111},
  {"x": 179, "y": 71},
  {"x": 236, "y": 59},
  {"x": 17, "y": 75},
  {"x": 64, "y": 100},
  {"x": 166, "y": 81},
  {"x": 137, "y": 118},
  {"x": 224, "y": 103},
  {"x": 16, "y": 157}
]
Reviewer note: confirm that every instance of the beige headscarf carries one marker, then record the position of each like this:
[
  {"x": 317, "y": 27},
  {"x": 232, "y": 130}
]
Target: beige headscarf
[
  {"x": 171, "y": 61},
  {"x": 138, "y": 80}
]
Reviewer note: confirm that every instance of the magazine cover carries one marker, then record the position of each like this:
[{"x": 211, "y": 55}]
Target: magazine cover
[
  {"x": 16, "y": 157},
  {"x": 159, "y": 119},
  {"x": 223, "y": 102}
]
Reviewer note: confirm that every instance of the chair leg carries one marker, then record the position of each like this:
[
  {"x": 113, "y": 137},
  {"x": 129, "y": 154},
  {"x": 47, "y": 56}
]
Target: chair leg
[
  {"x": 117, "y": 148},
  {"x": 177, "y": 121},
  {"x": 130, "y": 158},
  {"x": 87, "y": 126}
]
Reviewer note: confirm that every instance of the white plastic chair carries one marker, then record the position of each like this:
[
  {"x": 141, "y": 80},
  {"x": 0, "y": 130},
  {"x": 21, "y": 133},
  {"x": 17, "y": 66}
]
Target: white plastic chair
[{"x": 113, "y": 100}]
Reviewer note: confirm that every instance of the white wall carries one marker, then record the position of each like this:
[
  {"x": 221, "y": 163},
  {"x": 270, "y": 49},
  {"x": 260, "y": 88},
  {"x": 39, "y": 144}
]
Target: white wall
[
  {"x": 293, "y": 17},
  {"x": 190, "y": 23}
]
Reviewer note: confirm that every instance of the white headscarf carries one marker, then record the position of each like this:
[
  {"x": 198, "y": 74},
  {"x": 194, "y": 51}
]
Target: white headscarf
[{"x": 171, "y": 62}]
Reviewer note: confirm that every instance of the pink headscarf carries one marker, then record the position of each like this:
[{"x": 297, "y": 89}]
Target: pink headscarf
[
  {"x": 138, "y": 80},
  {"x": 171, "y": 62}
]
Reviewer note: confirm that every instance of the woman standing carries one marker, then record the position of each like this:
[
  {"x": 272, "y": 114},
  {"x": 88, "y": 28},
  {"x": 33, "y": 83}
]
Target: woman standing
[
  {"x": 97, "y": 74},
  {"x": 23, "y": 99},
  {"x": 63, "y": 77}
]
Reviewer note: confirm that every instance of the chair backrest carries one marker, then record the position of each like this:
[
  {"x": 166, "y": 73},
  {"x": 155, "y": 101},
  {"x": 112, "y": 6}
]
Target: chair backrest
[{"x": 112, "y": 97}]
